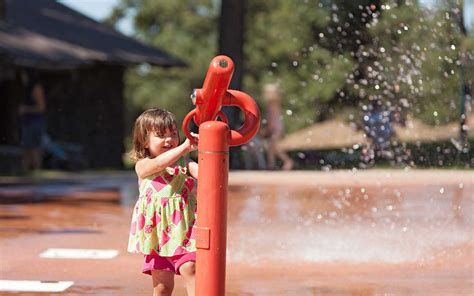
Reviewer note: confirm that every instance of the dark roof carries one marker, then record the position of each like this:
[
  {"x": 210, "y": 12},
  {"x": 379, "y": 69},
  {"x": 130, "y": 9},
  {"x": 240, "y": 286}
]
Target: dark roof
[{"x": 47, "y": 34}]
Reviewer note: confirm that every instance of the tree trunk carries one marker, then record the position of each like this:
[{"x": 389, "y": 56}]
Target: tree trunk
[
  {"x": 231, "y": 36},
  {"x": 231, "y": 41},
  {"x": 3, "y": 10}
]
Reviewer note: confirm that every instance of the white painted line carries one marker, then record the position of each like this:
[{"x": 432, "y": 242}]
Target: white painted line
[
  {"x": 58, "y": 253},
  {"x": 34, "y": 286}
]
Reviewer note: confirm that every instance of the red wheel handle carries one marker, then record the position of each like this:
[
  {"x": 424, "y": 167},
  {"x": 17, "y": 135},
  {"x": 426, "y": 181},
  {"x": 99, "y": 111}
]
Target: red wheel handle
[
  {"x": 191, "y": 114},
  {"x": 214, "y": 94},
  {"x": 185, "y": 125},
  {"x": 251, "y": 116},
  {"x": 223, "y": 117}
]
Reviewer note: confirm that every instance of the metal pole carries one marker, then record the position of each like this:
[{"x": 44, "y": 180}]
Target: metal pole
[{"x": 211, "y": 228}]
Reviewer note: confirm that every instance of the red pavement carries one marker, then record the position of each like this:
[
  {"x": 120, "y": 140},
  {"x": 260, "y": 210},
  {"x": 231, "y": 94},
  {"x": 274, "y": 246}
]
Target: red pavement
[{"x": 340, "y": 233}]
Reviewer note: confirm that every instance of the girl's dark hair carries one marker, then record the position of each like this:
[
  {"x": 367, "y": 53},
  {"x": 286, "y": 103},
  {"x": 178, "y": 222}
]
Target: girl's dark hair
[{"x": 151, "y": 121}]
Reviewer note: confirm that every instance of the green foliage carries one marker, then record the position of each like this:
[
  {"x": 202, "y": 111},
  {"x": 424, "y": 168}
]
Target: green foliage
[
  {"x": 186, "y": 29},
  {"x": 414, "y": 62},
  {"x": 327, "y": 55},
  {"x": 280, "y": 48}
]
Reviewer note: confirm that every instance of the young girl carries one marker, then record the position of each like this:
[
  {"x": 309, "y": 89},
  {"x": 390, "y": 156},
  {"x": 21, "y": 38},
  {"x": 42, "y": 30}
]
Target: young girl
[{"x": 164, "y": 215}]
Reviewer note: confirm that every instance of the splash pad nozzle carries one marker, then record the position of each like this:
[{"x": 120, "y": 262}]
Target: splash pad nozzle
[{"x": 215, "y": 137}]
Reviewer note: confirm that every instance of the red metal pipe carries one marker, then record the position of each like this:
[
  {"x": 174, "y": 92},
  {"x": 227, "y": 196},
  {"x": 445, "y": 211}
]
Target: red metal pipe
[{"x": 211, "y": 228}]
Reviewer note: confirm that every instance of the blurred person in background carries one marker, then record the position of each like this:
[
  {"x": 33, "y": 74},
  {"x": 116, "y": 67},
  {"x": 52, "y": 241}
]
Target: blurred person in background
[
  {"x": 32, "y": 116},
  {"x": 378, "y": 128},
  {"x": 378, "y": 125},
  {"x": 273, "y": 128}
]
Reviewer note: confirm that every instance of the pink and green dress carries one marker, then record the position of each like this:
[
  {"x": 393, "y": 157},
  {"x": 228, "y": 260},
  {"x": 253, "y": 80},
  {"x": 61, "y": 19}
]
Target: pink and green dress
[{"x": 164, "y": 215}]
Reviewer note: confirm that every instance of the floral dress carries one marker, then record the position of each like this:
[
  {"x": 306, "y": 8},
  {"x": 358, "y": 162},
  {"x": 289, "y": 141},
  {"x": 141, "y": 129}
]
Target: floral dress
[{"x": 164, "y": 215}]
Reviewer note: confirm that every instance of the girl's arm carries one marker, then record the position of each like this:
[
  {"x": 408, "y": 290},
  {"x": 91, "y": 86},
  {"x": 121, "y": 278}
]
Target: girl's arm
[
  {"x": 193, "y": 169},
  {"x": 148, "y": 166}
]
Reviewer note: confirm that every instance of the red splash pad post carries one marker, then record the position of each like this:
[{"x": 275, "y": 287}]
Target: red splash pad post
[
  {"x": 214, "y": 141},
  {"x": 211, "y": 229}
]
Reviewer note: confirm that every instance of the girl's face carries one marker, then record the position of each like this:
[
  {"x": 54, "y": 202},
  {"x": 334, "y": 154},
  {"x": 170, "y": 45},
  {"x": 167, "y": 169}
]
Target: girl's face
[{"x": 159, "y": 143}]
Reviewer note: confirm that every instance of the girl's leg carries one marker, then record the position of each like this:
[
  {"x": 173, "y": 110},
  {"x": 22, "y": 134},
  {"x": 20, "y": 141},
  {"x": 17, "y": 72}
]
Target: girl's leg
[
  {"x": 188, "y": 271},
  {"x": 163, "y": 282}
]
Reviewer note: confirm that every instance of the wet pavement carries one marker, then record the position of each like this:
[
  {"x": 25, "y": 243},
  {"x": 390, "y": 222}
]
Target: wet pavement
[{"x": 298, "y": 233}]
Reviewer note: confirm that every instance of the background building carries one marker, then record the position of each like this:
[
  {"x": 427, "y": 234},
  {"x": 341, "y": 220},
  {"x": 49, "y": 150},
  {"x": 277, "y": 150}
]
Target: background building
[{"x": 81, "y": 64}]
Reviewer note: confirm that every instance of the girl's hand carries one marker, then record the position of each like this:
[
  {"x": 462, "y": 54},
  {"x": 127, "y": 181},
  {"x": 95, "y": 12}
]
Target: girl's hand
[{"x": 192, "y": 145}]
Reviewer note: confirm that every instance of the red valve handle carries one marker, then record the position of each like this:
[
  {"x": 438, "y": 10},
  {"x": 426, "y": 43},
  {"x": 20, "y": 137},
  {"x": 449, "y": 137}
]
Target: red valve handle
[
  {"x": 223, "y": 117},
  {"x": 186, "y": 121},
  {"x": 191, "y": 114},
  {"x": 215, "y": 94},
  {"x": 251, "y": 116}
]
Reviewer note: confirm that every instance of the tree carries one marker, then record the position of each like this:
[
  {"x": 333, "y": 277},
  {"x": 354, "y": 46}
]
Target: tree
[
  {"x": 231, "y": 43},
  {"x": 412, "y": 63},
  {"x": 309, "y": 72},
  {"x": 186, "y": 29},
  {"x": 327, "y": 55},
  {"x": 285, "y": 43}
]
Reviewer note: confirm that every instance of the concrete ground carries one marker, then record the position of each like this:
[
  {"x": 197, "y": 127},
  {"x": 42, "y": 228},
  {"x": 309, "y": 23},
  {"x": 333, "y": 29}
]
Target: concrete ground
[{"x": 376, "y": 232}]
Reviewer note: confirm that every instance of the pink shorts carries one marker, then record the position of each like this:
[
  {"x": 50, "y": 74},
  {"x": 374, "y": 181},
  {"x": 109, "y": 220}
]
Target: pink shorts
[{"x": 156, "y": 262}]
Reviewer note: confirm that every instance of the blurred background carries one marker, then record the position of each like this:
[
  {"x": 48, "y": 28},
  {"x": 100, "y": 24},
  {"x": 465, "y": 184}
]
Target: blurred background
[{"x": 360, "y": 83}]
